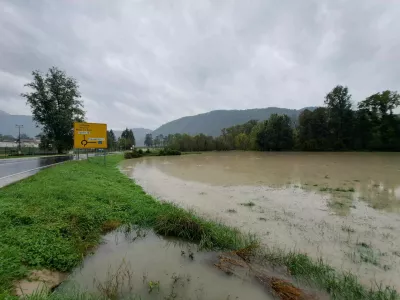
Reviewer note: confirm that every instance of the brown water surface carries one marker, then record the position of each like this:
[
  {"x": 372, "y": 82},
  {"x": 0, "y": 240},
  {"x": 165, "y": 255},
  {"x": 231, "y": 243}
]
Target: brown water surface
[
  {"x": 150, "y": 267},
  {"x": 325, "y": 204}
]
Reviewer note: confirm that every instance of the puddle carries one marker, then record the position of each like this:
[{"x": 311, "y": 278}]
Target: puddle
[
  {"x": 154, "y": 267},
  {"x": 323, "y": 204}
]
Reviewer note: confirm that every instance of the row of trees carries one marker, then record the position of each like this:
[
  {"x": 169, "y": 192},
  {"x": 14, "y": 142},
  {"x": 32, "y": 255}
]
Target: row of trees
[
  {"x": 372, "y": 126},
  {"x": 336, "y": 126},
  {"x": 159, "y": 141},
  {"x": 125, "y": 142}
]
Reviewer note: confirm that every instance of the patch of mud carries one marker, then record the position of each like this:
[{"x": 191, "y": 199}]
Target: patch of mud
[
  {"x": 39, "y": 281},
  {"x": 152, "y": 267},
  {"x": 301, "y": 201}
]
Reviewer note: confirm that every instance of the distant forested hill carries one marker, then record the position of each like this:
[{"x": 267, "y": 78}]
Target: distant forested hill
[{"x": 212, "y": 122}]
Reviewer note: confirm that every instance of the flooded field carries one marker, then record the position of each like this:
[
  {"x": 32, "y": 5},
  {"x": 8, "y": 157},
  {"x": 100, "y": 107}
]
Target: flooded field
[
  {"x": 343, "y": 207},
  {"x": 141, "y": 265}
]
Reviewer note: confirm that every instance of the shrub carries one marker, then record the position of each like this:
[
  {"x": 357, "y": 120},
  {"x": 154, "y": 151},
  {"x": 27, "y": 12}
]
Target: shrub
[
  {"x": 148, "y": 150},
  {"x": 132, "y": 154},
  {"x": 140, "y": 151},
  {"x": 168, "y": 151},
  {"x": 128, "y": 155}
]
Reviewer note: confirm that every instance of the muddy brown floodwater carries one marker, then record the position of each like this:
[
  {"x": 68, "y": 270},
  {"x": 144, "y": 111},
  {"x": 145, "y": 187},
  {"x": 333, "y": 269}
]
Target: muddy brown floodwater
[
  {"x": 343, "y": 207},
  {"x": 140, "y": 264}
]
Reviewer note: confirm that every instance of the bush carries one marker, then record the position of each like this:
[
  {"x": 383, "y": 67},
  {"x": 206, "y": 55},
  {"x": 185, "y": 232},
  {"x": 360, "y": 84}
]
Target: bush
[
  {"x": 128, "y": 155},
  {"x": 168, "y": 151},
  {"x": 132, "y": 154},
  {"x": 148, "y": 151},
  {"x": 140, "y": 151}
]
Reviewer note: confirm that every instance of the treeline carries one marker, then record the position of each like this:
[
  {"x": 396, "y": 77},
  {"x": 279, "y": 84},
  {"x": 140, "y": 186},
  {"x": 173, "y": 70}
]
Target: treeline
[
  {"x": 373, "y": 125},
  {"x": 125, "y": 142}
]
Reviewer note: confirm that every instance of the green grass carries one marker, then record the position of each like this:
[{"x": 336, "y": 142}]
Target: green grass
[
  {"x": 52, "y": 219},
  {"x": 339, "y": 285}
]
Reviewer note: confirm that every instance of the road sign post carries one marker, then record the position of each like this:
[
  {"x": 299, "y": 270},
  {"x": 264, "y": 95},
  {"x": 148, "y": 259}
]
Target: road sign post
[{"x": 90, "y": 136}]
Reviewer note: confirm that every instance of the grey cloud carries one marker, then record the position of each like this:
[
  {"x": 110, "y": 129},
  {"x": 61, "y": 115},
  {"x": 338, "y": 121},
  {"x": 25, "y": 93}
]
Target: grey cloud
[{"x": 145, "y": 62}]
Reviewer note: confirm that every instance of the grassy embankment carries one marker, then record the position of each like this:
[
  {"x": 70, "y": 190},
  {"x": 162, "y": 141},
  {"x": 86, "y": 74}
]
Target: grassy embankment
[{"x": 51, "y": 220}]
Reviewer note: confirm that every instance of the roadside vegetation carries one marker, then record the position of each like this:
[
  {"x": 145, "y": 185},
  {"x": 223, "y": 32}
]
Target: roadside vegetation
[
  {"x": 155, "y": 152},
  {"x": 54, "y": 218}
]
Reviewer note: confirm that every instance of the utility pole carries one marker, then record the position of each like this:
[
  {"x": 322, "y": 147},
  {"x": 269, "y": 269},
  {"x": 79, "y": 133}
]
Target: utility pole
[{"x": 19, "y": 137}]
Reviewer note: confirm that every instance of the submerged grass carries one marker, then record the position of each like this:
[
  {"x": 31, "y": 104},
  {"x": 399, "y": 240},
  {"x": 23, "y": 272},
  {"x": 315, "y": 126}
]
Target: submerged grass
[
  {"x": 338, "y": 285},
  {"x": 338, "y": 189},
  {"x": 51, "y": 220}
]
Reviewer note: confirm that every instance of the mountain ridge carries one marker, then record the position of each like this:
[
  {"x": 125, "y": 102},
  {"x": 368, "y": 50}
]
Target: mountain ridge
[
  {"x": 212, "y": 122},
  {"x": 209, "y": 123}
]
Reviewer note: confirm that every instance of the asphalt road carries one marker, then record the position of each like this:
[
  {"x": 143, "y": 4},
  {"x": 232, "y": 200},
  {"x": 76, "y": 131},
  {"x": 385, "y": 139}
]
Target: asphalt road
[{"x": 12, "y": 170}]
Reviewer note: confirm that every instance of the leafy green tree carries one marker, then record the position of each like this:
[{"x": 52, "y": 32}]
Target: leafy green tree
[
  {"x": 220, "y": 144},
  {"x": 313, "y": 130},
  {"x": 277, "y": 134},
  {"x": 45, "y": 143},
  {"x": 161, "y": 140},
  {"x": 255, "y": 131},
  {"x": 157, "y": 141},
  {"x": 340, "y": 117},
  {"x": 242, "y": 141},
  {"x": 148, "y": 141},
  {"x": 376, "y": 118},
  {"x": 55, "y": 102},
  {"x": 127, "y": 140},
  {"x": 111, "y": 140}
]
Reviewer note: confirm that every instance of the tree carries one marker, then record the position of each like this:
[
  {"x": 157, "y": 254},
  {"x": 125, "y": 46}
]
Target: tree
[
  {"x": 111, "y": 140},
  {"x": 276, "y": 134},
  {"x": 340, "y": 117},
  {"x": 127, "y": 140},
  {"x": 156, "y": 141},
  {"x": 377, "y": 121},
  {"x": 313, "y": 130},
  {"x": 148, "y": 141},
  {"x": 242, "y": 141},
  {"x": 55, "y": 102},
  {"x": 253, "y": 136},
  {"x": 45, "y": 143}
]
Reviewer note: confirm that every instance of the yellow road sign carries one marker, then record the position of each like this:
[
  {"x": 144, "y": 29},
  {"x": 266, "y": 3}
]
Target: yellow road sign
[{"x": 90, "y": 135}]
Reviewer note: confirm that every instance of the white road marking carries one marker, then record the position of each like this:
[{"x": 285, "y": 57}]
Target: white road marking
[
  {"x": 27, "y": 171},
  {"x": 29, "y": 159}
]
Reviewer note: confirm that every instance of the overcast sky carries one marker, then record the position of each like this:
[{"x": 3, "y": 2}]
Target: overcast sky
[{"x": 143, "y": 63}]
